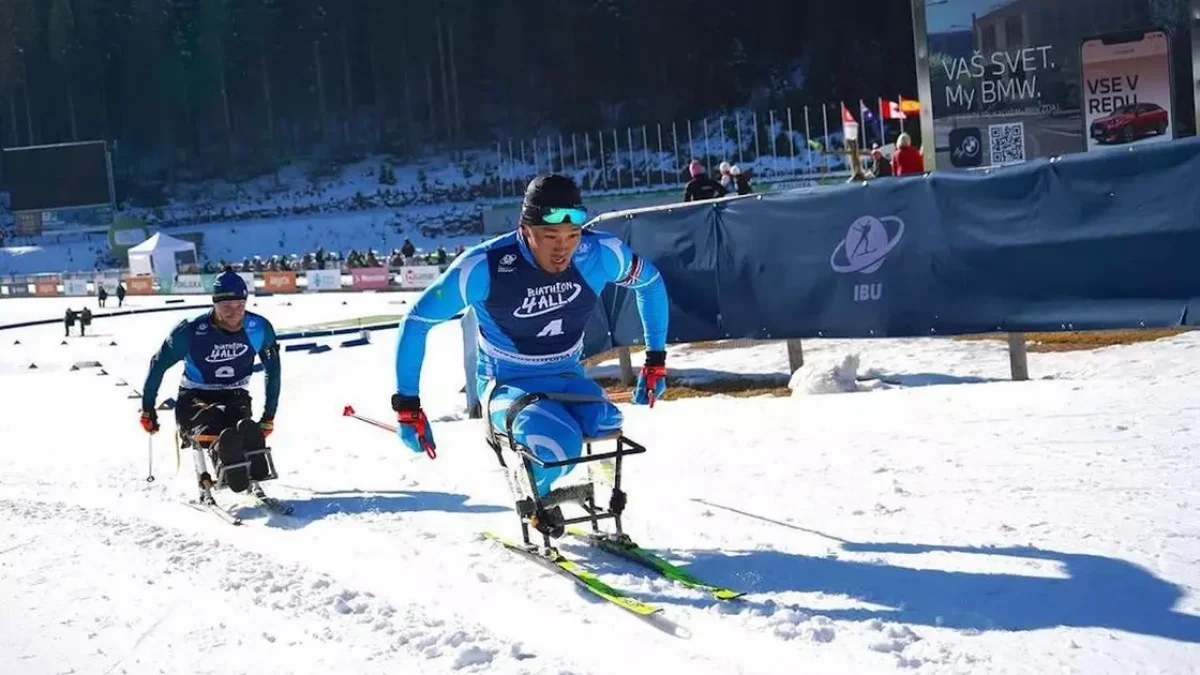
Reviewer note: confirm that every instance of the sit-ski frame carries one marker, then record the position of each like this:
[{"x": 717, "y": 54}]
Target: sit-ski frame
[
  {"x": 531, "y": 505},
  {"x": 202, "y": 446}
]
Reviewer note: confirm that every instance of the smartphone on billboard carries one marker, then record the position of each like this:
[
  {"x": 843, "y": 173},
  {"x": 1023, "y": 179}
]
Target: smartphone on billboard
[{"x": 1127, "y": 88}]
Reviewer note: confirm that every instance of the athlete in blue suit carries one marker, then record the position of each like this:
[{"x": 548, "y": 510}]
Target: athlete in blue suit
[
  {"x": 532, "y": 291},
  {"x": 218, "y": 349}
]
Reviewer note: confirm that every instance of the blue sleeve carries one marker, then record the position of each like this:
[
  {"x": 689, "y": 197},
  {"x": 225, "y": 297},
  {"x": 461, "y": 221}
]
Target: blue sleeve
[
  {"x": 173, "y": 350},
  {"x": 269, "y": 354},
  {"x": 464, "y": 283},
  {"x": 625, "y": 268}
]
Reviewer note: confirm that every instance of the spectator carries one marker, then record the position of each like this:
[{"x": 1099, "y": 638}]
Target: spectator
[
  {"x": 907, "y": 160},
  {"x": 727, "y": 180},
  {"x": 881, "y": 166},
  {"x": 701, "y": 187},
  {"x": 441, "y": 255},
  {"x": 741, "y": 180},
  {"x": 408, "y": 249}
]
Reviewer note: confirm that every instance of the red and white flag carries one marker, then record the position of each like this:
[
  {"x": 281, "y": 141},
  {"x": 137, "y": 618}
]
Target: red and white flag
[
  {"x": 891, "y": 110},
  {"x": 849, "y": 124}
]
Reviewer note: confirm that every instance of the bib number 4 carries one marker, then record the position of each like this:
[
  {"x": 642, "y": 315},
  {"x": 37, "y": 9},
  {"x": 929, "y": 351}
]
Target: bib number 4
[{"x": 552, "y": 329}]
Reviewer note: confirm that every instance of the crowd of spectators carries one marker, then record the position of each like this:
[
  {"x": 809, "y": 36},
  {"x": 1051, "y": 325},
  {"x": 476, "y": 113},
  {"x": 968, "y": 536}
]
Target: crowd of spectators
[{"x": 405, "y": 256}]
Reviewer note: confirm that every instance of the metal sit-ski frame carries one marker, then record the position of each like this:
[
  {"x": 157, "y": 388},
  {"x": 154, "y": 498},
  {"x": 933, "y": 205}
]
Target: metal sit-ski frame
[
  {"x": 530, "y": 505},
  {"x": 201, "y": 445}
]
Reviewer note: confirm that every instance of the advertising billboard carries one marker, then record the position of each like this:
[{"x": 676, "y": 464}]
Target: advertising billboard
[
  {"x": 365, "y": 278},
  {"x": 419, "y": 276},
  {"x": 323, "y": 280},
  {"x": 1127, "y": 88},
  {"x": 62, "y": 186},
  {"x": 279, "y": 282},
  {"x": 1005, "y": 81}
]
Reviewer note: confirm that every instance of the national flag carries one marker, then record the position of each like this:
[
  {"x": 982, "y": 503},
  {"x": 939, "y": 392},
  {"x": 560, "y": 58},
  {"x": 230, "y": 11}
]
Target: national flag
[
  {"x": 849, "y": 124},
  {"x": 890, "y": 110},
  {"x": 866, "y": 113},
  {"x": 910, "y": 106},
  {"x": 847, "y": 116}
]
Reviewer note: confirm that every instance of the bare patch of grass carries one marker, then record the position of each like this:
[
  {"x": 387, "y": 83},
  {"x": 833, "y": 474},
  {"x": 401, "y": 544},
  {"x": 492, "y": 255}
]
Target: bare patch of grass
[
  {"x": 1067, "y": 341},
  {"x": 736, "y": 387}
]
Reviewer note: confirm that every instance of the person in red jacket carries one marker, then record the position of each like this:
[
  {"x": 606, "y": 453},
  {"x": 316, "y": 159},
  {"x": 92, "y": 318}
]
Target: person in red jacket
[{"x": 907, "y": 160}]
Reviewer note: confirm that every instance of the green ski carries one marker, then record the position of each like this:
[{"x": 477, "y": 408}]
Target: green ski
[
  {"x": 630, "y": 551},
  {"x": 556, "y": 562}
]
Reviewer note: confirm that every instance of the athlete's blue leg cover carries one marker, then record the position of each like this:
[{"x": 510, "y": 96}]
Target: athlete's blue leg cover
[{"x": 553, "y": 430}]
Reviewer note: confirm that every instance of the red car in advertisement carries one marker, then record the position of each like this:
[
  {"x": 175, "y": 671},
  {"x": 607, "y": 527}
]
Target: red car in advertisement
[{"x": 1131, "y": 122}]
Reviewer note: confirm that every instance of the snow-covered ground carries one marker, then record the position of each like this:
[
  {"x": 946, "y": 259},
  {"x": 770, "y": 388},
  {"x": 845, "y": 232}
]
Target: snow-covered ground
[{"x": 952, "y": 523}]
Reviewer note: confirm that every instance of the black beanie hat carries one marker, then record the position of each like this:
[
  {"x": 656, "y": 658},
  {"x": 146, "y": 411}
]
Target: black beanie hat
[{"x": 549, "y": 190}]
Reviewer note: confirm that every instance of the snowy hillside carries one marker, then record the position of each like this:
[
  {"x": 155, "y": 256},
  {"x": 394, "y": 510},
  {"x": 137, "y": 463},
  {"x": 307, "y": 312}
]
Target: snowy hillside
[
  {"x": 359, "y": 202},
  {"x": 949, "y": 522},
  {"x": 381, "y": 230},
  {"x": 763, "y": 146}
]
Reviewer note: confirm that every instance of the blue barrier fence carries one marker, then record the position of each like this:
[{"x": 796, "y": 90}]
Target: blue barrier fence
[{"x": 1101, "y": 240}]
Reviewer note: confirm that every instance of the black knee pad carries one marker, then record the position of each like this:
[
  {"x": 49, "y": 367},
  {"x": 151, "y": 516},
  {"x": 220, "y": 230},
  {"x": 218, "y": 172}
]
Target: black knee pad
[
  {"x": 231, "y": 460},
  {"x": 252, "y": 439}
]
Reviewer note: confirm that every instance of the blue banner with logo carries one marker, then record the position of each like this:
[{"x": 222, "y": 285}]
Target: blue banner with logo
[{"x": 1082, "y": 242}]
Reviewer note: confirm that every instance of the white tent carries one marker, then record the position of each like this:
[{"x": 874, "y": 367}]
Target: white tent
[{"x": 160, "y": 255}]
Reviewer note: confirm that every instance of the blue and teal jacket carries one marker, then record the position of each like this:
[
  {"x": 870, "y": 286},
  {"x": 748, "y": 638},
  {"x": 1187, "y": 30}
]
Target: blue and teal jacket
[
  {"x": 531, "y": 322},
  {"x": 215, "y": 359}
]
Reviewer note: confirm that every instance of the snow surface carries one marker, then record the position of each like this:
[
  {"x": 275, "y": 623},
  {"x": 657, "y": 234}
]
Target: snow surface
[{"x": 947, "y": 522}]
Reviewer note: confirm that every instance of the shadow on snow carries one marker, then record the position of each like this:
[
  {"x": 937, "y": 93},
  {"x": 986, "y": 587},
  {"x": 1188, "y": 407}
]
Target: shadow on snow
[
  {"x": 350, "y": 502},
  {"x": 1089, "y": 591}
]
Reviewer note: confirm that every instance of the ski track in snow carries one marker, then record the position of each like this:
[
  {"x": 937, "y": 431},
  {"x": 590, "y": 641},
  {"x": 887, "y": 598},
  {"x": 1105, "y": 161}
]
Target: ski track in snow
[
  {"x": 1049, "y": 526},
  {"x": 317, "y": 608}
]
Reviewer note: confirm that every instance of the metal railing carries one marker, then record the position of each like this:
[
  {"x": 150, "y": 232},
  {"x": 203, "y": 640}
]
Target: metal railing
[{"x": 774, "y": 144}]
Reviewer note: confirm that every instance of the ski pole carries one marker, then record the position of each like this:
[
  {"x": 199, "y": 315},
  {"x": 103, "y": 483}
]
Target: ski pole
[
  {"x": 348, "y": 411},
  {"x": 150, "y": 459}
]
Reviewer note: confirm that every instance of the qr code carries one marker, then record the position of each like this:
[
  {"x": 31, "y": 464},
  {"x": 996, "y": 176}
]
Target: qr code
[{"x": 1007, "y": 142}]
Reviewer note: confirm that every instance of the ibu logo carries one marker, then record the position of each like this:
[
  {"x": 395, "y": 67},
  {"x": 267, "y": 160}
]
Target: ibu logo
[
  {"x": 228, "y": 352},
  {"x": 546, "y": 299},
  {"x": 864, "y": 250}
]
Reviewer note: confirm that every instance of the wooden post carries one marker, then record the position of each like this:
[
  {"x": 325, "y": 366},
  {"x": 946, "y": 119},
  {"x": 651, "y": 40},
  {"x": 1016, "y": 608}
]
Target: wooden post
[
  {"x": 627, "y": 377},
  {"x": 795, "y": 355},
  {"x": 1017, "y": 357}
]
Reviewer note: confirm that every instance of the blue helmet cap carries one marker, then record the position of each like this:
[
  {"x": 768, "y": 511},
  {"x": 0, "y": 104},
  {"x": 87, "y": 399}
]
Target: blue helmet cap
[{"x": 229, "y": 286}]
